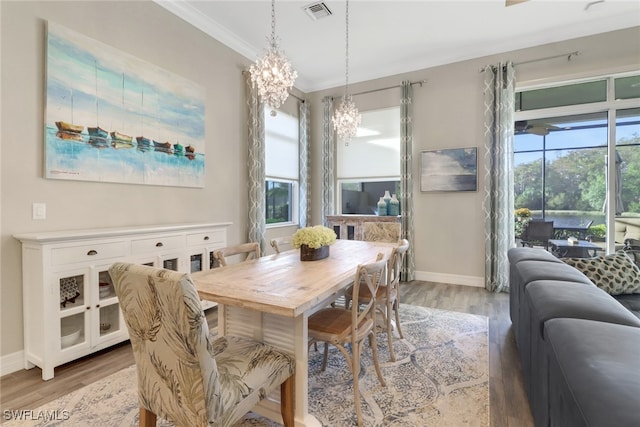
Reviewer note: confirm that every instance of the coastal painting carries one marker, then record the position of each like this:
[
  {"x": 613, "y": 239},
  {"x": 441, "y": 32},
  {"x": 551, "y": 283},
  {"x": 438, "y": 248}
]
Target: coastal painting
[
  {"x": 449, "y": 170},
  {"x": 111, "y": 117}
]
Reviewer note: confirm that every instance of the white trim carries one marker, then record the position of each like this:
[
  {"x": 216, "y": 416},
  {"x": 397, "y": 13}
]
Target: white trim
[
  {"x": 453, "y": 279},
  {"x": 582, "y": 77},
  {"x": 204, "y": 23},
  {"x": 11, "y": 363}
]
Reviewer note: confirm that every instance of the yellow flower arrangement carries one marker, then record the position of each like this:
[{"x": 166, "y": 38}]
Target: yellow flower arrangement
[
  {"x": 314, "y": 237},
  {"x": 523, "y": 213}
]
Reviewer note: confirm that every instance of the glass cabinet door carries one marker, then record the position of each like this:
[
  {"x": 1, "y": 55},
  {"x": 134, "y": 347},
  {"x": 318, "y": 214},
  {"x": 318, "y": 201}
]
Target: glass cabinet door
[
  {"x": 73, "y": 302},
  {"x": 195, "y": 263}
]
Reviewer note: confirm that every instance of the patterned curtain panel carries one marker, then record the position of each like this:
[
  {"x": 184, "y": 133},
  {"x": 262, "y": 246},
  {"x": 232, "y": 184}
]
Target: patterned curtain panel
[
  {"x": 257, "y": 201},
  {"x": 499, "y": 96},
  {"x": 406, "y": 178},
  {"x": 305, "y": 160},
  {"x": 328, "y": 166}
]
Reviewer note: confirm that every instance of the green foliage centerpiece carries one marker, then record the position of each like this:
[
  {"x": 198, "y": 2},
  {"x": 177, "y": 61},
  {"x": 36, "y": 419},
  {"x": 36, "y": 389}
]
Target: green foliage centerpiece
[{"x": 313, "y": 242}]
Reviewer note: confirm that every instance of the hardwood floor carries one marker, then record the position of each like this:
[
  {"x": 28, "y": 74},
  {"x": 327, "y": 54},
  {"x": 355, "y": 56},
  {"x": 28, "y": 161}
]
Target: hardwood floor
[{"x": 509, "y": 404}]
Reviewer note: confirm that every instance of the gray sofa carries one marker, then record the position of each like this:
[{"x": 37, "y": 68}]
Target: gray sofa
[{"x": 579, "y": 346}]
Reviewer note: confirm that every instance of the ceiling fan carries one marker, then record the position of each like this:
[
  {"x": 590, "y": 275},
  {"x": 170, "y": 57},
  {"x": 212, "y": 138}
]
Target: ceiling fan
[
  {"x": 541, "y": 129},
  {"x": 513, "y": 2}
]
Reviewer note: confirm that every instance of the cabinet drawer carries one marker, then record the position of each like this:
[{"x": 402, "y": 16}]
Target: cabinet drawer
[
  {"x": 156, "y": 244},
  {"x": 84, "y": 253},
  {"x": 206, "y": 238}
]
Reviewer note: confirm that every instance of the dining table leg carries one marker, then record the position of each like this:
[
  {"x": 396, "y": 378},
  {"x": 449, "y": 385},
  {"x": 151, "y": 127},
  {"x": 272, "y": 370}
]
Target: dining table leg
[{"x": 286, "y": 333}]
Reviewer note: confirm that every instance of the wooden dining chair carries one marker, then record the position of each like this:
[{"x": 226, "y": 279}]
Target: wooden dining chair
[
  {"x": 340, "y": 327},
  {"x": 388, "y": 295},
  {"x": 246, "y": 251},
  {"x": 184, "y": 377},
  {"x": 281, "y": 244}
]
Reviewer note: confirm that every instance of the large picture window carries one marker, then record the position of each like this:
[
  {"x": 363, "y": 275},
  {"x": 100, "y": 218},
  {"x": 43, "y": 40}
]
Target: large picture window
[
  {"x": 370, "y": 164},
  {"x": 281, "y": 168},
  {"x": 562, "y": 149}
]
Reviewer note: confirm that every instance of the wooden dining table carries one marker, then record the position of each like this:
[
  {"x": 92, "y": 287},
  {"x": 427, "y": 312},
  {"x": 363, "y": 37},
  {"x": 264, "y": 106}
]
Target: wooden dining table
[{"x": 271, "y": 299}]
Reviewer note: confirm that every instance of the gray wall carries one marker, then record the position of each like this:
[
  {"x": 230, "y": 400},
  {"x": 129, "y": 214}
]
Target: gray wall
[{"x": 447, "y": 113}]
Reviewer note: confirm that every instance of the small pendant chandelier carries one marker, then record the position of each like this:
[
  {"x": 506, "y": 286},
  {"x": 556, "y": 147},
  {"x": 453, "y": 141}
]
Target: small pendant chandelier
[
  {"x": 346, "y": 118},
  {"x": 272, "y": 75}
]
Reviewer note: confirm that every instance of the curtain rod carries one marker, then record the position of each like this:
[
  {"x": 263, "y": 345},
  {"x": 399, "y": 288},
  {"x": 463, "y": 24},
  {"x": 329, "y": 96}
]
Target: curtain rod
[
  {"x": 296, "y": 97},
  {"x": 569, "y": 56},
  {"x": 419, "y": 82}
]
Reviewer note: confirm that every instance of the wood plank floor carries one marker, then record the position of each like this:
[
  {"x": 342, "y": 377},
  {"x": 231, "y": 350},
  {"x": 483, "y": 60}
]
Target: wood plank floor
[{"x": 509, "y": 404}]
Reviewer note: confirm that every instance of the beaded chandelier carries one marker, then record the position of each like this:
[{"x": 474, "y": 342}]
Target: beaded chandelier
[
  {"x": 346, "y": 118},
  {"x": 272, "y": 75}
]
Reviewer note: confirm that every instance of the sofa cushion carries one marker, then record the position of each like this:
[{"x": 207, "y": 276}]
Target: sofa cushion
[
  {"x": 549, "y": 300},
  {"x": 616, "y": 273},
  {"x": 530, "y": 254},
  {"x": 631, "y": 302},
  {"x": 531, "y": 270},
  {"x": 593, "y": 375}
]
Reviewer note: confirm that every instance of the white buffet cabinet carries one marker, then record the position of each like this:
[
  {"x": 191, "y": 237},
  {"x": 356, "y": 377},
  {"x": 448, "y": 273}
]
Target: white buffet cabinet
[{"x": 69, "y": 304}]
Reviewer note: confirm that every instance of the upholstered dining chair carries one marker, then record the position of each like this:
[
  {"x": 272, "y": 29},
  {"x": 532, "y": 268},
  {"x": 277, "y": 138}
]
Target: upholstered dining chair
[
  {"x": 340, "y": 327},
  {"x": 246, "y": 251},
  {"x": 388, "y": 296},
  {"x": 388, "y": 232},
  {"x": 183, "y": 376},
  {"x": 281, "y": 244}
]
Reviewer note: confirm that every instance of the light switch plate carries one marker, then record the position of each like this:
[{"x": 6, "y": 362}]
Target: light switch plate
[{"x": 39, "y": 211}]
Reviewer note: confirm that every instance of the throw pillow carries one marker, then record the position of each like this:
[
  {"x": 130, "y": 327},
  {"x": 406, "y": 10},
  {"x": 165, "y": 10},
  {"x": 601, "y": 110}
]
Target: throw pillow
[{"x": 616, "y": 273}]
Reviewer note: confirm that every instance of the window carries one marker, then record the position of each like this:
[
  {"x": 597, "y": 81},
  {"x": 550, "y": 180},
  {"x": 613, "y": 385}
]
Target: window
[
  {"x": 370, "y": 164},
  {"x": 281, "y": 168},
  {"x": 561, "y": 151}
]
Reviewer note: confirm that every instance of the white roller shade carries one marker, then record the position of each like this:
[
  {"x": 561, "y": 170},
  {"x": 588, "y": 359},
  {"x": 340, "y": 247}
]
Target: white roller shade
[
  {"x": 281, "y": 145},
  {"x": 375, "y": 150}
]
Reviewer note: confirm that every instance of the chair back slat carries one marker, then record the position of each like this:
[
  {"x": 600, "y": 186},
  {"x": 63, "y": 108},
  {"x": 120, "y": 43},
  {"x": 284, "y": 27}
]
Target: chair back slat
[
  {"x": 371, "y": 276},
  {"x": 247, "y": 251},
  {"x": 281, "y": 244},
  {"x": 395, "y": 267}
]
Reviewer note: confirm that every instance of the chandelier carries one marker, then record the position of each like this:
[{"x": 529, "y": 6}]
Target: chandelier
[
  {"x": 346, "y": 118},
  {"x": 272, "y": 75}
]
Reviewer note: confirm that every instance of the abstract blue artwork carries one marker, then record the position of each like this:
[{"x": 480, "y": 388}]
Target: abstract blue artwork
[
  {"x": 454, "y": 169},
  {"x": 111, "y": 117}
]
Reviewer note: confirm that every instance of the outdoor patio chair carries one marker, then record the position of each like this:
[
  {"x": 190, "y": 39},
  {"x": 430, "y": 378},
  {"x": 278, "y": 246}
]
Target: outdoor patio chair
[{"x": 538, "y": 233}]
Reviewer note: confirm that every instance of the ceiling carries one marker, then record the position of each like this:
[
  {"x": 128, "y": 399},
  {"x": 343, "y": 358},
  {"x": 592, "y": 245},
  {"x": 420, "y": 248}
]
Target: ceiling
[{"x": 393, "y": 37}]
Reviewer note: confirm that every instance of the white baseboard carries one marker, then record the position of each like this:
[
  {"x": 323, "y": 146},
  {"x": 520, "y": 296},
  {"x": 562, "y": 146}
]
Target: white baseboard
[
  {"x": 12, "y": 363},
  {"x": 453, "y": 279}
]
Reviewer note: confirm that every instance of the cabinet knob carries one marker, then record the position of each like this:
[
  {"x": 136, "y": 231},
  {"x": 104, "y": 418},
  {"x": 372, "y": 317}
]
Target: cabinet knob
[
  {"x": 92, "y": 252},
  {"x": 88, "y": 308},
  {"x": 206, "y": 237},
  {"x": 97, "y": 305},
  {"x": 159, "y": 245}
]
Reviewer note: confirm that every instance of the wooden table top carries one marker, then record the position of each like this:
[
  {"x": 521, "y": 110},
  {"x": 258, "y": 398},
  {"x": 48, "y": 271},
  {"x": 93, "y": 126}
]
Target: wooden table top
[{"x": 282, "y": 284}]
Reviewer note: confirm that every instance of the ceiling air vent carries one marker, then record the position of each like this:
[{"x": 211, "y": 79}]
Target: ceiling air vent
[{"x": 317, "y": 10}]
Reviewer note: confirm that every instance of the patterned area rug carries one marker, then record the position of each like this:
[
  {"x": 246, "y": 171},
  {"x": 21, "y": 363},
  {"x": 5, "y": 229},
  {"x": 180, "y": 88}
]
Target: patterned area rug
[{"x": 440, "y": 378}]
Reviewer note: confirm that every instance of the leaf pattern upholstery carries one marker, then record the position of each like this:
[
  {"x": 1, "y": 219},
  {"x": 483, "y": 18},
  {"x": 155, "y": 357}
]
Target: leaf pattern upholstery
[{"x": 183, "y": 376}]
